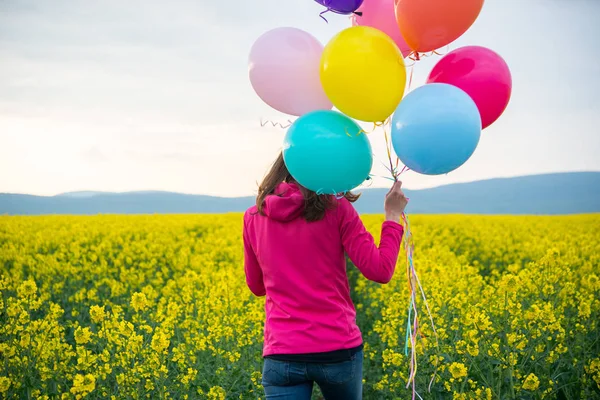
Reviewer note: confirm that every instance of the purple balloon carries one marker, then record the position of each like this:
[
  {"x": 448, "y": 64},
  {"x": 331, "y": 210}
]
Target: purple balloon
[{"x": 341, "y": 6}]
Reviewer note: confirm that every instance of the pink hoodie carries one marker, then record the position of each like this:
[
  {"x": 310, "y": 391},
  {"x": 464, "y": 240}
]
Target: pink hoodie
[{"x": 301, "y": 268}]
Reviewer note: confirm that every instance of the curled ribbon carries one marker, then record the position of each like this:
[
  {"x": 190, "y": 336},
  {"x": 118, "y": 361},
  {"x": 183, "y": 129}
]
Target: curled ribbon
[
  {"x": 338, "y": 196},
  {"x": 275, "y": 124},
  {"x": 416, "y": 56},
  {"x": 375, "y": 126}
]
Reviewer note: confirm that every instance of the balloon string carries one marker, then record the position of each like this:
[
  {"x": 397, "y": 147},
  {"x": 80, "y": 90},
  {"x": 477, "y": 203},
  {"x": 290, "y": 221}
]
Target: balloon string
[
  {"x": 275, "y": 124},
  {"x": 389, "y": 154},
  {"x": 381, "y": 176},
  {"x": 375, "y": 126},
  {"x": 326, "y": 3},
  {"x": 393, "y": 172},
  {"x": 414, "y": 283},
  {"x": 446, "y": 51},
  {"x": 412, "y": 328},
  {"x": 385, "y": 122},
  {"x": 388, "y": 145},
  {"x": 337, "y": 195},
  {"x": 416, "y": 56},
  {"x": 404, "y": 169},
  {"x": 390, "y": 167},
  {"x": 357, "y": 133},
  {"x": 370, "y": 180}
]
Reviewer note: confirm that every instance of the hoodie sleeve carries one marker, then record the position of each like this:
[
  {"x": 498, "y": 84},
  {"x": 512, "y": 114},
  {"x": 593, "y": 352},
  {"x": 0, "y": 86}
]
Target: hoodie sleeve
[
  {"x": 254, "y": 275},
  {"x": 376, "y": 264}
]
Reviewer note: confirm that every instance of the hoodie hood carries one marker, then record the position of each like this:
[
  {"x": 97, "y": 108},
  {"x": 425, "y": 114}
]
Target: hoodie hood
[{"x": 285, "y": 204}]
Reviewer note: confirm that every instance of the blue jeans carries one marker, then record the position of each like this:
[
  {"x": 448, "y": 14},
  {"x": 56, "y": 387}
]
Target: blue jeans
[{"x": 284, "y": 380}]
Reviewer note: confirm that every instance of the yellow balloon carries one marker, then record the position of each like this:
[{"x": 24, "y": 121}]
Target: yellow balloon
[{"x": 363, "y": 73}]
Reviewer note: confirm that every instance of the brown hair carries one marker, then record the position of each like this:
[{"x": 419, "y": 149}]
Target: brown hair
[{"x": 315, "y": 205}]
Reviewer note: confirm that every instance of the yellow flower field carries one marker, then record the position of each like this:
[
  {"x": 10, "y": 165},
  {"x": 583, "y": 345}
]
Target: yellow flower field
[{"x": 130, "y": 307}]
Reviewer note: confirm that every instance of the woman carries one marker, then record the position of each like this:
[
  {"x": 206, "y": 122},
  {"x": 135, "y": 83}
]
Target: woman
[{"x": 294, "y": 245}]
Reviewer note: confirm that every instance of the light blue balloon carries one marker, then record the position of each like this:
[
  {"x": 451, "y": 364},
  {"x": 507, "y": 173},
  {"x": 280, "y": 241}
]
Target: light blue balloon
[
  {"x": 327, "y": 152},
  {"x": 436, "y": 129}
]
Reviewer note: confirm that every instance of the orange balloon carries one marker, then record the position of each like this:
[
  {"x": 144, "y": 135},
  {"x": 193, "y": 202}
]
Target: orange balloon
[{"x": 427, "y": 25}]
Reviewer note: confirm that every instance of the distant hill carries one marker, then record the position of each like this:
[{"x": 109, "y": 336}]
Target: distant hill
[{"x": 551, "y": 194}]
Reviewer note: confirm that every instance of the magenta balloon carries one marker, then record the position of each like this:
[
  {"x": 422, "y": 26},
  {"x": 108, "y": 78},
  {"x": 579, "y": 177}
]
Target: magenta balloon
[
  {"x": 284, "y": 68},
  {"x": 380, "y": 14},
  {"x": 341, "y": 6},
  {"x": 480, "y": 72}
]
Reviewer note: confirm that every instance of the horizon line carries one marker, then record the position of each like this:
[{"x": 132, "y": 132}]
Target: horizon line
[{"x": 102, "y": 192}]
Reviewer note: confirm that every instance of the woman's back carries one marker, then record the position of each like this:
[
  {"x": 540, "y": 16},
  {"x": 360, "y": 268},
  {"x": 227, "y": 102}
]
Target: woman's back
[{"x": 300, "y": 267}]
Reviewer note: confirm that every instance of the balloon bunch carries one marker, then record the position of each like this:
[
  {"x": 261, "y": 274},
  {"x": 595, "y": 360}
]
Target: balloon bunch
[{"x": 361, "y": 71}]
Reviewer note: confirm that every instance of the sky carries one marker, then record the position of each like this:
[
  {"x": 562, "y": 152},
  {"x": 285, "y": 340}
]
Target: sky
[{"x": 115, "y": 95}]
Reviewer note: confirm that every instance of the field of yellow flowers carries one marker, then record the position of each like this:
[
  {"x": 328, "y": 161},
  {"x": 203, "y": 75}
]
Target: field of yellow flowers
[{"x": 131, "y": 307}]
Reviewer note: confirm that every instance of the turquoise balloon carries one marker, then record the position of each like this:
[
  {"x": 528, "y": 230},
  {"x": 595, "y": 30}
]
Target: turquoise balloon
[
  {"x": 327, "y": 152},
  {"x": 436, "y": 129}
]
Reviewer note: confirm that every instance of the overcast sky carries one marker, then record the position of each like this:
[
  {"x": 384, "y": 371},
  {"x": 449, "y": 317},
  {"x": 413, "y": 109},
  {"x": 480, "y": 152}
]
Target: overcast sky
[{"x": 119, "y": 95}]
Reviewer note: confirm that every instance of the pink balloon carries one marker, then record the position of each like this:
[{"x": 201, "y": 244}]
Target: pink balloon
[
  {"x": 284, "y": 71},
  {"x": 380, "y": 14},
  {"x": 480, "y": 72}
]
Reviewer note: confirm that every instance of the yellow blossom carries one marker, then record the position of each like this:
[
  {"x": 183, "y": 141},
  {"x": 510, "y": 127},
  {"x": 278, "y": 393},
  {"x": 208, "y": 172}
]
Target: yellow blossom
[
  {"x": 25, "y": 340},
  {"x": 488, "y": 394},
  {"x": 82, "y": 335},
  {"x": 160, "y": 342},
  {"x": 473, "y": 350},
  {"x": 458, "y": 370},
  {"x": 27, "y": 288},
  {"x": 83, "y": 384},
  {"x": 4, "y": 384},
  {"x": 216, "y": 393},
  {"x": 531, "y": 382},
  {"x": 97, "y": 314},
  {"x": 139, "y": 302}
]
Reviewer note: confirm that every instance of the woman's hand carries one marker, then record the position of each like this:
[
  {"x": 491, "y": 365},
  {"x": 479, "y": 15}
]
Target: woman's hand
[{"x": 395, "y": 203}]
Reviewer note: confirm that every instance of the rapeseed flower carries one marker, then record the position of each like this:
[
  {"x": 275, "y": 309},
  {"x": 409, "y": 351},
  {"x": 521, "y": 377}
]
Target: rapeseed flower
[
  {"x": 83, "y": 385},
  {"x": 83, "y": 335},
  {"x": 458, "y": 370},
  {"x": 97, "y": 314},
  {"x": 139, "y": 302},
  {"x": 4, "y": 384},
  {"x": 531, "y": 382}
]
